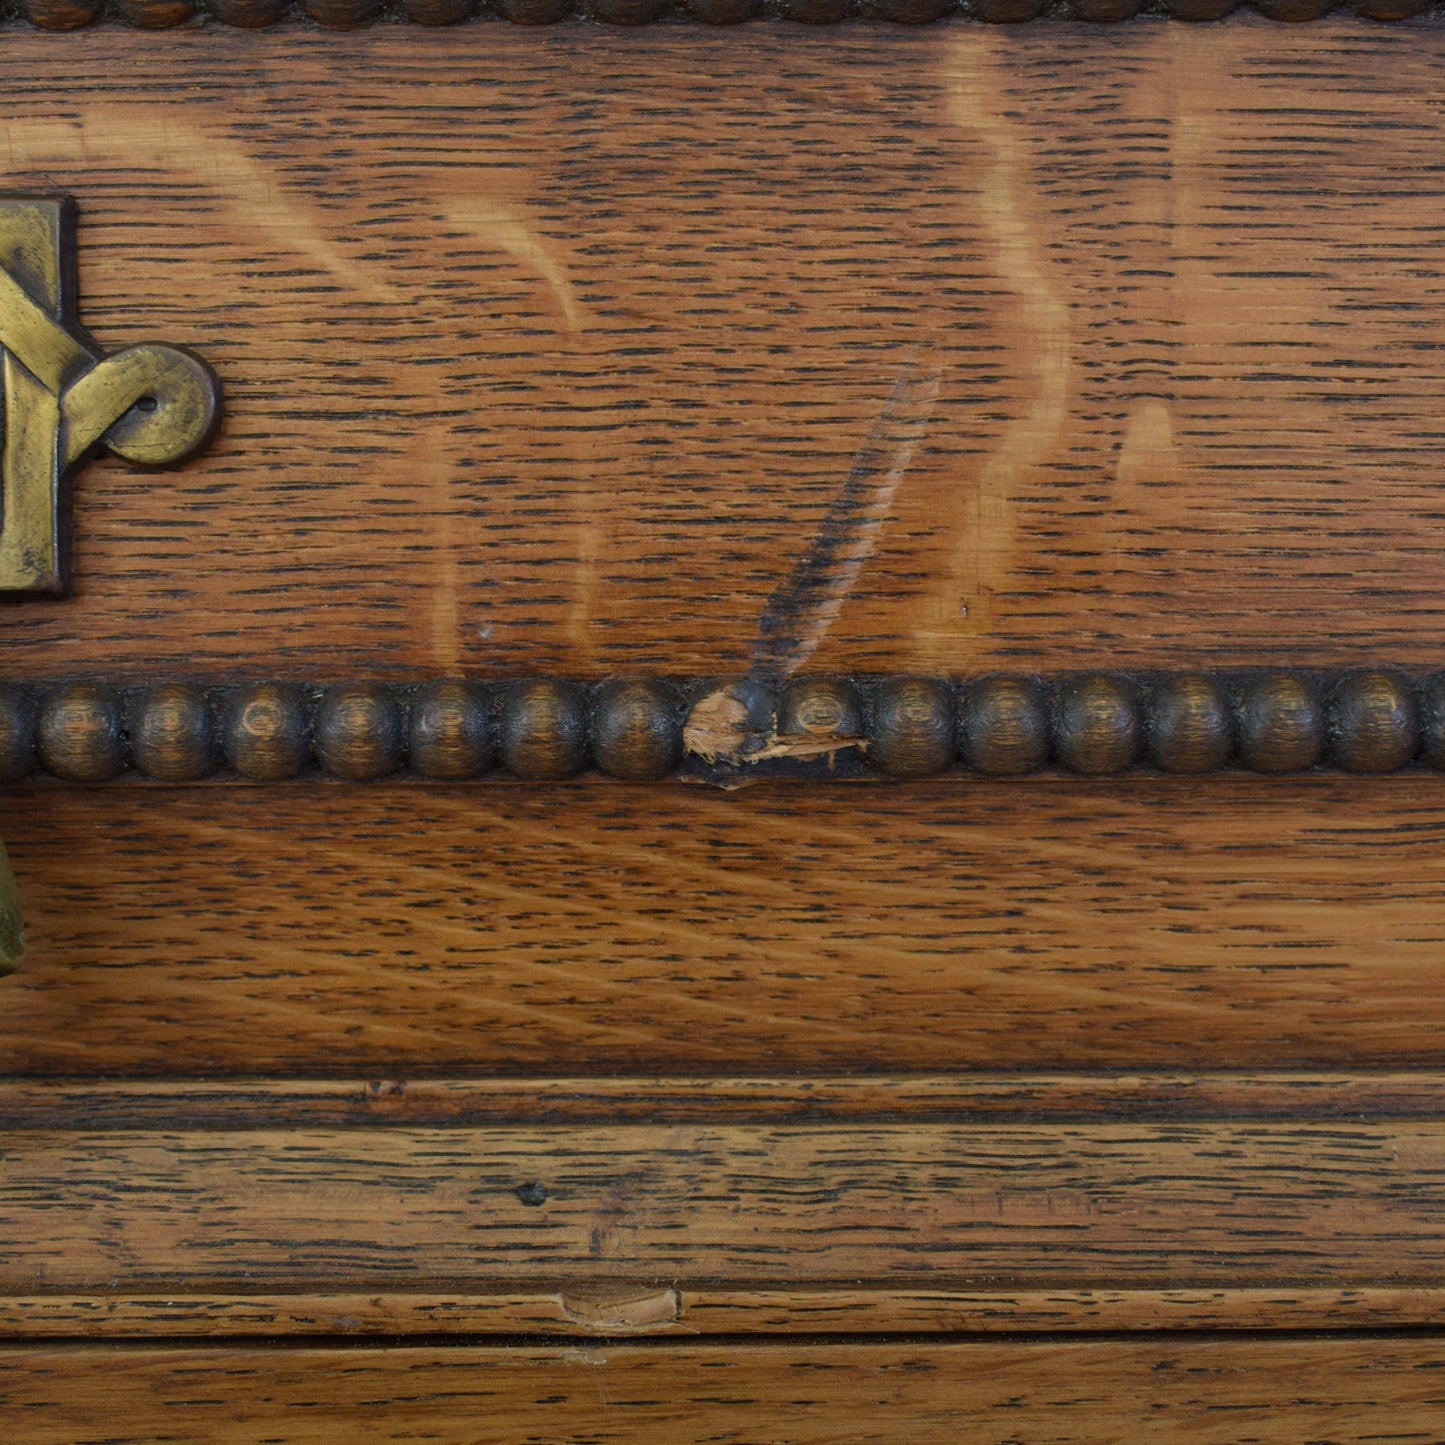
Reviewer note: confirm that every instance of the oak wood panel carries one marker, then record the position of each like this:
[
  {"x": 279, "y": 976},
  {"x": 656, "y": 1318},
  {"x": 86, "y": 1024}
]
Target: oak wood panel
[
  {"x": 1028, "y": 1207},
  {"x": 396, "y": 932},
  {"x": 685, "y": 350},
  {"x": 1197, "y": 1392}
]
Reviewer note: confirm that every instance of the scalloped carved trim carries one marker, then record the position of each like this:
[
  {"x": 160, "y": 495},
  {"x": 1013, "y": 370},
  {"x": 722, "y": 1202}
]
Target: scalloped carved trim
[
  {"x": 726, "y": 732},
  {"x": 358, "y": 14}
]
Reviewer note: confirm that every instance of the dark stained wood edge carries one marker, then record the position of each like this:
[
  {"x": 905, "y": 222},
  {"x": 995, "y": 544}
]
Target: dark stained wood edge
[
  {"x": 726, "y": 732},
  {"x": 716, "y": 1309},
  {"x": 338, "y": 1103},
  {"x": 61, "y": 15}
]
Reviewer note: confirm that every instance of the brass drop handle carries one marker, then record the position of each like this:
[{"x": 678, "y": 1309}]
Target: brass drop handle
[{"x": 12, "y": 930}]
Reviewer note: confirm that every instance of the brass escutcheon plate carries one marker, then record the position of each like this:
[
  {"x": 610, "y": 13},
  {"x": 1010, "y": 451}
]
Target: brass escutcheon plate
[{"x": 154, "y": 405}]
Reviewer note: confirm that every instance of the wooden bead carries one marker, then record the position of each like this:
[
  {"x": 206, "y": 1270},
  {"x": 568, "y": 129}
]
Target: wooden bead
[
  {"x": 1389, "y": 9},
  {"x": 17, "y": 733},
  {"x": 173, "y": 733},
  {"x": 79, "y": 733},
  {"x": 911, "y": 727},
  {"x": 542, "y": 729},
  {"x": 626, "y": 12},
  {"x": 814, "y": 12},
  {"x": 911, "y": 12},
  {"x": 247, "y": 14},
  {"x": 437, "y": 12},
  {"x": 1007, "y": 12},
  {"x": 265, "y": 731},
  {"x": 1373, "y": 722},
  {"x": 1105, "y": 12},
  {"x": 1201, "y": 9},
  {"x": 153, "y": 14},
  {"x": 1280, "y": 722},
  {"x": 1004, "y": 726},
  {"x": 343, "y": 14},
  {"x": 825, "y": 712},
  {"x": 1432, "y": 721},
  {"x": 721, "y": 12},
  {"x": 728, "y": 722},
  {"x": 60, "y": 14},
  {"x": 532, "y": 12},
  {"x": 451, "y": 731},
  {"x": 636, "y": 729},
  {"x": 1188, "y": 725},
  {"x": 1096, "y": 725},
  {"x": 359, "y": 731},
  {"x": 1295, "y": 11}
]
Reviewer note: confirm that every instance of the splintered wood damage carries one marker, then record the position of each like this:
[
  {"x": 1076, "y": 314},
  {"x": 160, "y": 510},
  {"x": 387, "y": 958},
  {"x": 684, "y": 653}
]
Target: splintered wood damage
[
  {"x": 720, "y": 727},
  {"x": 735, "y": 734},
  {"x": 621, "y": 1314}
]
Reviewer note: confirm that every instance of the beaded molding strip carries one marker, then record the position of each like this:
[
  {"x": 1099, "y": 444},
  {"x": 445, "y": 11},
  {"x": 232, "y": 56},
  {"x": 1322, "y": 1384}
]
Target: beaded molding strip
[
  {"x": 726, "y": 732},
  {"x": 358, "y": 14}
]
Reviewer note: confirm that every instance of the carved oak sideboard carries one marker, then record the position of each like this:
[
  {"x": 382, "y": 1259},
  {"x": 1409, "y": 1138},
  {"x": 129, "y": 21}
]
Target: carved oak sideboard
[{"x": 722, "y": 731}]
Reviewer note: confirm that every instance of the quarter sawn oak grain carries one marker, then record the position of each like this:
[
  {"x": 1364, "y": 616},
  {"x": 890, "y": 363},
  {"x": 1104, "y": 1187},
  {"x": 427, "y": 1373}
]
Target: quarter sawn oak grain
[
  {"x": 844, "y": 385},
  {"x": 1345, "y": 1390},
  {"x": 627, "y": 1308},
  {"x": 991, "y": 1207},
  {"x": 396, "y": 930},
  {"x": 950, "y": 351}
]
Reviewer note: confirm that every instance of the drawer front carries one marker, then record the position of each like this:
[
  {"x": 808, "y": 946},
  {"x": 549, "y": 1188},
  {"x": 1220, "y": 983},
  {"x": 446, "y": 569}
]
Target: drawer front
[{"x": 795, "y": 712}]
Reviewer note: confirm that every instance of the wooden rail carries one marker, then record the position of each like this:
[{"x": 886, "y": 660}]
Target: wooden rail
[
  {"x": 356, "y": 14},
  {"x": 726, "y": 731}
]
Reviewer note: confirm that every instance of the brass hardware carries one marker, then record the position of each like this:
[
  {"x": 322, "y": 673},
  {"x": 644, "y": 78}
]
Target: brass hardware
[
  {"x": 12, "y": 930},
  {"x": 152, "y": 404}
]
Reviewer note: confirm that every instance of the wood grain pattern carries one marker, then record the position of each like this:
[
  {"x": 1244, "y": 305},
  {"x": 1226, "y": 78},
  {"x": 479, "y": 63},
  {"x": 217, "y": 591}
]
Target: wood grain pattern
[
  {"x": 627, "y": 1309},
  {"x": 836, "y": 1118},
  {"x": 997, "y": 1207},
  {"x": 909, "y": 351},
  {"x": 393, "y": 931},
  {"x": 565, "y": 360},
  {"x": 241, "y": 1104},
  {"x": 1349, "y": 1390}
]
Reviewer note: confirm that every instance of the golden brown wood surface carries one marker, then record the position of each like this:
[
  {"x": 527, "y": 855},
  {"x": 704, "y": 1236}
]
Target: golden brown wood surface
[
  {"x": 1194, "y": 1392},
  {"x": 877, "y": 348},
  {"x": 1004, "y": 1207},
  {"x": 725, "y": 1206},
  {"x": 623, "y": 1308},
  {"x": 684, "y": 354},
  {"x": 402, "y": 930},
  {"x": 244, "y": 1103}
]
